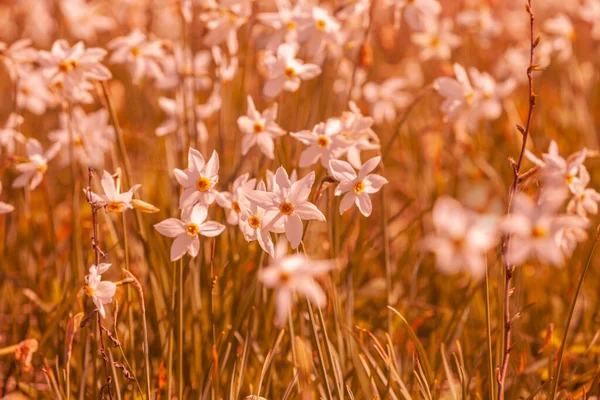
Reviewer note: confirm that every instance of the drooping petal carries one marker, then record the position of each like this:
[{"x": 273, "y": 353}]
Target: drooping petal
[
  {"x": 307, "y": 211},
  {"x": 180, "y": 246},
  {"x": 293, "y": 230}
]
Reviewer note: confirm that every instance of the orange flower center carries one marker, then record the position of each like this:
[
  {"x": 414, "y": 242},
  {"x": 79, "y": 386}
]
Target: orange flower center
[
  {"x": 235, "y": 206},
  {"x": 320, "y": 24},
  {"x": 539, "y": 232},
  {"x": 135, "y": 51},
  {"x": 323, "y": 141},
  {"x": 359, "y": 187},
  {"x": 192, "y": 229},
  {"x": 290, "y": 72},
  {"x": 258, "y": 127},
  {"x": 203, "y": 184},
  {"x": 88, "y": 291},
  {"x": 115, "y": 206},
  {"x": 254, "y": 222},
  {"x": 286, "y": 208}
]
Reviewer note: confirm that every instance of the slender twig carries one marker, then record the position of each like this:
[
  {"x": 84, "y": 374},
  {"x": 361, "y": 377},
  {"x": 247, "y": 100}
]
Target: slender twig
[
  {"x": 570, "y": 316},
  {"x": 509, "y": 268}
]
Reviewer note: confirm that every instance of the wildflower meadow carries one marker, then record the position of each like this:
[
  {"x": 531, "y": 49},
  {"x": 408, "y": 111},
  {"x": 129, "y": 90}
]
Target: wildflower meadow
[{"x": 299, "y": 199}]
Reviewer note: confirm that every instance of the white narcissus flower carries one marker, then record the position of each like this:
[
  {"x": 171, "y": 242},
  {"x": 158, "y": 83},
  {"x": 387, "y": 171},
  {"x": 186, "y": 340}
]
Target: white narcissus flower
[
  {"x": 176, "y": 67},
  {"x": 488, "y": 94},
  {"x": 33, "y": 171},
  {"x": 322, "y": 143},
  {"x": 458, "y": 93},
  {"x": 69, "y": 67},
  {"x": 198, "y": 180},
  {"x": 253, "y": 224},
  {"x": 91, "y": 134},
  {"x": 436, "y": 40},
  {"x": 585, "y": 200},
  {"x": 18, "y": 57},
  {"x": 285, "y": 72},
  {"x": 226, "y": 66},
  {"x": 461, "y": 238},
  {"x": 414, "y": 11},
  {"x": 260, "y": 129},
  {"x": 284, "y": 22},
  {"x": 224, "y": 23},
  {"x": 288, "y": 202},
  {"x": 386, "y": 98},
  {"x": 101, "y": 292},
  {"x": 291, "y": 275},
  {"x": 534, "y": 229},
  {"x": 233, "y": 201},
  {"x": 568, "y": 238},
  {"x": 186, "y": 230},
  {"x": 317, "y": 29},
  {"x": 559, "y": 175},
  {"x": 142, "y": 55},
  {"x": 113, "y": 200},
  {"x": 356, "y": 134},
  {"x": 483, "y": 23},
  {"x": 357, "y": 187},
  {"x": 10, "y": 135},
  {"x": 5, "y": 207}
]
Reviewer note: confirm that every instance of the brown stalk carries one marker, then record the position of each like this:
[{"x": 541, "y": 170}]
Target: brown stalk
[{"x": 509, "y": 268}]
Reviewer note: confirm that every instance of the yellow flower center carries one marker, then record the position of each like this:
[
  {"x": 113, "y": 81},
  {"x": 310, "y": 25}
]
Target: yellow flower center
[
  {"x": 323, "y": 141},
  {"x": 77, "y": 141},
  {"x": 359, "y": 187},
  {"x": 435, "y": 41},
  {"x": 291, "y": 25},
  {"x": 258, "y": 127},
  {"x": 203, "y": 184},
  {"x": 116, "y": 206},
  {"x": 135, "y": 51},
  {"x": 290, "y": 72},
  {"x": 286, "y": 208},
  {"x": 569, "y": 179},
  {"x": 235, "y": 206},
  {"x": 42, "y": 168},
  {"x": 469, "y": 97},
  {"x": 192, "y": 229},
  {"x": 320, "y": 24},
  {"x": 254, "y": 222},
  {"x": 539, "y": 232},
  {"x": 88, "y": 291},
  {"x": 66, "y": 66},
  {"x": 284, "y": 276}
]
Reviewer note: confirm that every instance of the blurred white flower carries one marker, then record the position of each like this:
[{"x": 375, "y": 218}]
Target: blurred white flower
[
  {"x": 436, "y": 40},
  {"x": 198, "y": 180},
  {"x": 86, "y": 20},
  {"x": 322, "y": 143},
  {"x": 563, "y": 34},
  {"x": 91, "y": 134},
  {"x": 175, "y": 68},
  {"x": 568, "y": 238},
  {"x": 317, "y": 29},
  {"x": 356, "y": 134},
  {"x": 5, "y": 207},
  {"x": 174, "y": 112},
  {"x": 259, "y": 129},
  {"x": 33, "y": 171},
  {"x": 283, "y": 22},
  {"x": 357, "y": 187},
  {"x": 233, "y": 201},
  {"x": 33, "y": 93},
  {"x": 294, "y": 274},
  {"x": 17, "y": 57},
  {"x": 590, "y": 12},
  {"x": 226, "y": 66},
  {"x": 100, "y": 291},
  {"x": 288, "y": 202},
  {"x": 142, "y": 55},
  {"x": 386, "y": 98},
  {"x": 224, "y": 23},
  {"x": 461, "y": 238},
  {"x": 10, "y": 134},
  {"x": 186, "y": 230},
  {"x": 534, "y": 228},
  {"x": 585, "y": 200},
  {"x": 285, "y": 72},
  {"x": 482, "y": 22},
  {"x": 414, "y": 11},
  {"x": 112, "y": 199}
]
